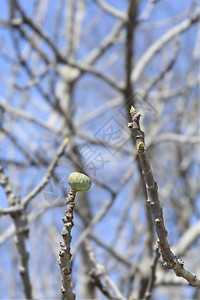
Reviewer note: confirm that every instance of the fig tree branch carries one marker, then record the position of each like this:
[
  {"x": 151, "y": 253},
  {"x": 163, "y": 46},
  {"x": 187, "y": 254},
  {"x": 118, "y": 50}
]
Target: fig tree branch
[{"x": 170, "y": 260}]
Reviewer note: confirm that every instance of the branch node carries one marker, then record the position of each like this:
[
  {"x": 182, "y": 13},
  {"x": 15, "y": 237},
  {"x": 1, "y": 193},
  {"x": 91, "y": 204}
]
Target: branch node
[
  {"x": 69, "y": 215},
  {"x": 67, "y": 271},
  {"x": 130, "y": 125},
  {"x": 149, "y": 202}
]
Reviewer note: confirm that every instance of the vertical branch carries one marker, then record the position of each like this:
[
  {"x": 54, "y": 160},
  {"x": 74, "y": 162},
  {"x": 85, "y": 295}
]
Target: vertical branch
[
  {"x": 70, "y": 28},
  {"x": 21, "y": 233},
  {"x": 129, "y": 44},
  {"x": 152, "y": 278},
  {"x": 128, "y": 92},
  {"x": 64, "y": 259},
  {"x": 79, "y": 22}
]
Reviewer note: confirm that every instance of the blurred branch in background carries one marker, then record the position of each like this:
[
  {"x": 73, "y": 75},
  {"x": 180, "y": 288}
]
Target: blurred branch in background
[{"x": 73, "y": 69}]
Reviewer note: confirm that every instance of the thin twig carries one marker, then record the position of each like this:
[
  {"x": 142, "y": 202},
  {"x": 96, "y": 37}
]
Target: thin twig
[
  {"x": 98, "y": 273},
  {"x": 48, "y": 174},
  {"x": 163, "y": 73},
  {"x": 21, "y": 114},
  {"x": 152, "y": 278},
  {"x": 59, "y": 56},
  {"x": 109, "y": 40},
  {"x": 156, "y": 46},
  {"x": 117, "y": 256},
  {"x": 175, "y": 137},
  {"x": 129, "y": 54},
  {"x": 111, "y": 10},
  {"x": 70, "y": 12}
]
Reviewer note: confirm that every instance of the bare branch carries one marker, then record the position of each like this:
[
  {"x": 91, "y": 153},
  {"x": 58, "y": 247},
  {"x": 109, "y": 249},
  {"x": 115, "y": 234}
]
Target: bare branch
[
  {"x": 174, "y": 137},
  {"x": 163, "y": 73},
  {"x": 169, "y": 21},
  {"x": 40, "y": 33},
  {"x": 81, "y": 11},
  {"x": 152, "y": 278},
  {"x": 21, "y": 232},
  {"x": 156, "y": 46},
  {"x": 49, "y": 173},
  {"x": 99, "y": 272},
  {"x": 116, "y": 255},
  {"x": 111, "y": 10},
  {"x": 130, "y": 26},
  {"x": 170, "y": 260},
  {"x": 188, "y": 238},
  {"x": 19, "y": 113},
  {"x": 64, "y": 259},
  {"x": 109, "y": 40},
  {"x": 70, "y": 12}
]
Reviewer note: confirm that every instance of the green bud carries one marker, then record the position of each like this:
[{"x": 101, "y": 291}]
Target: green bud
[
  {"x": 141, "y": 145},
  {"x": 132, "y": 110},
  {"x": 79, "y": 181}
]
